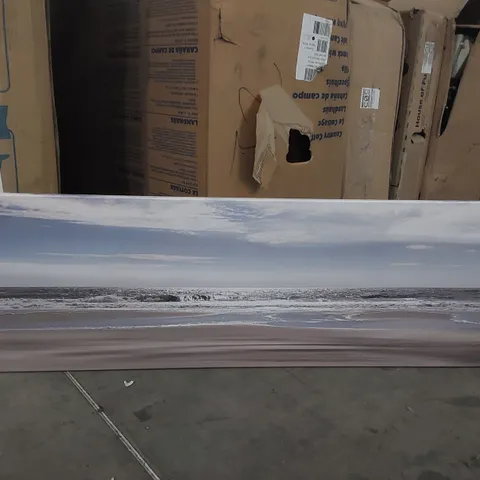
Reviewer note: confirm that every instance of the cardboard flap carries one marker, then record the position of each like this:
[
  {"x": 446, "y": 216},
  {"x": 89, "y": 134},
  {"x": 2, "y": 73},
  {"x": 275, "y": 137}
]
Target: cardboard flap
[
  {"x": 265, "y": 161},
  {"x": 277, "y": 115}
]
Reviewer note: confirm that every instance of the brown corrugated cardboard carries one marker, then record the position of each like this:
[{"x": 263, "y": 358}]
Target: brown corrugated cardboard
[
  {"x": 425, "y": 34},
  {"x": 375, "y": 80},
  {"x": 453, "y": 169},
  {"x": 446, "y": 8},
  {"x": 27, "y": 127},
  {"x": 220, "y": 71}
]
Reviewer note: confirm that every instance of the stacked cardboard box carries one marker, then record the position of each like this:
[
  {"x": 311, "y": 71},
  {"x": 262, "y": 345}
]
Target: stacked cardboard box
[
  {"x": 197, "y": 98},
  {"x": 425, "y": 32},
  {"x": 356, "y": 99},
  {"x": 452, "y": 167},
  {"x": 230, "y": 126},
  {"x": 28, "y": 155},
  {"x": 234, "y": 104},
  {"x": 434, "y": 145},
  {"x": 239, "y": 104},
  {"x": 375, "y": 82}
]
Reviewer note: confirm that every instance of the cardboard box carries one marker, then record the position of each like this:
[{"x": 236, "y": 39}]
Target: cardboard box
[
  {"x": 375, "y": 79},
  {"x": 240, "y": 101},
  {"x": 28, "y": 157},
  {"x": 425, "y": 34},
  {"x": 453, "y": 168}
]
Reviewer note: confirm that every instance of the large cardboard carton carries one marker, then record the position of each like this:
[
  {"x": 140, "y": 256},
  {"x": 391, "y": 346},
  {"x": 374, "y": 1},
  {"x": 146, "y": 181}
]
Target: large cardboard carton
[
  {"x": 425, "y": 34},
  {"x": 453, "y": 168},
  {"x": 375, "y": 79},
  {"x": 247, "y": 97},
  {"x": 28, "y": 148}
]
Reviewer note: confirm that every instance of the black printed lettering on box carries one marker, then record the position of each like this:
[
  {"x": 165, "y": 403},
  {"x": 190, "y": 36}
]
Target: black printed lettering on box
[
  {"x": 173, "y": 48},
  {"x": 423, "y": 89},
  {"x": 334, "y": 109}
]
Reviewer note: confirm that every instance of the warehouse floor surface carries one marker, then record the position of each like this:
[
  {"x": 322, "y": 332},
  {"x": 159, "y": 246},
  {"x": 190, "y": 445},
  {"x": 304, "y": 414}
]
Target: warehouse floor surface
[{"x": 335, "y": 424}]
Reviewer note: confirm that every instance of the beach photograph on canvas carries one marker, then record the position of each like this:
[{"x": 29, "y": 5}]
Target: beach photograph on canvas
[{"x": 130, "y": 282}]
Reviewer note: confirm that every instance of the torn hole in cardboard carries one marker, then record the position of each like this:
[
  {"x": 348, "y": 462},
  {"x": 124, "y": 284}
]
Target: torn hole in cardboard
[
  {"x": 298, "y": 147},
  {"x": 419, "y": 137}
]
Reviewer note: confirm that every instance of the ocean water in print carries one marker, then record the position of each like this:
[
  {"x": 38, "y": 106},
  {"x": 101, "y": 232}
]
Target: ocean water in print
[{"x": 323, "y": 308}]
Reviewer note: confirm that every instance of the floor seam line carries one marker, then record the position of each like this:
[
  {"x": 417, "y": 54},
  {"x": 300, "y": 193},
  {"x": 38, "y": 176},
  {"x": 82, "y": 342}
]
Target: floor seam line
[{"x": 131, "y": 449}]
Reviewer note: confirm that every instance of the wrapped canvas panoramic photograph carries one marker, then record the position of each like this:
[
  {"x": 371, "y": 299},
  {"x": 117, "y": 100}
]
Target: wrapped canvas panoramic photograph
[{"x": 101, "y": 283}]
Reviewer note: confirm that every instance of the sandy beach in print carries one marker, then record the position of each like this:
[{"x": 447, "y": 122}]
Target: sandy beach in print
[
  {"x": 232, "y": 346},
  {"x": 309, "y": 328}
]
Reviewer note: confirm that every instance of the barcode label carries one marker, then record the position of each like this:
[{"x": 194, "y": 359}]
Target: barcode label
[
  {"x": 322, "y": 28},
  {"x": 322, "y": 46},
  {"x": 309, "y": 74},
  {"x": 428, "y": 56},
  {"x": 370, "y": 98},
  {"x": 314, "y": 46}
]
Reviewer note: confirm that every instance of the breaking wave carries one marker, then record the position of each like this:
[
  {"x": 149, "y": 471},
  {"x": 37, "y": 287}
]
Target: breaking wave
[{"x": 260, "y": 300}]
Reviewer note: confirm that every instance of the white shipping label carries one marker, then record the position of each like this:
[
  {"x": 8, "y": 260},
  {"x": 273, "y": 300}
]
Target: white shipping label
[
  {"x": 370, "y": 98},
  {"x": 314, "y": 46},
  {"x": 428, "y": 55}
]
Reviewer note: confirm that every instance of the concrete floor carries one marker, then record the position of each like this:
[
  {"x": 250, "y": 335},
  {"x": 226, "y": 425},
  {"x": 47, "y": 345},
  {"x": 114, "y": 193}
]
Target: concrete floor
[{"x": 335, "y": 424}]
